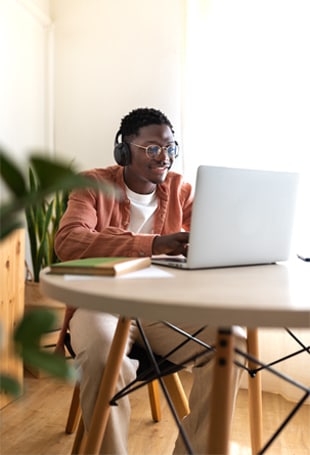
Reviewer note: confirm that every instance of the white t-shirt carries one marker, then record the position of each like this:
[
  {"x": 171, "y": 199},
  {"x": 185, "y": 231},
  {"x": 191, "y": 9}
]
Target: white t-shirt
[{"x": 142, "y": 209}]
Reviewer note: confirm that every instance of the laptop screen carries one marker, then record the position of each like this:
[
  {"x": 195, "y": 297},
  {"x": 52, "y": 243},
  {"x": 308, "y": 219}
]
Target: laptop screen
[{"x": 241, "y": 217}]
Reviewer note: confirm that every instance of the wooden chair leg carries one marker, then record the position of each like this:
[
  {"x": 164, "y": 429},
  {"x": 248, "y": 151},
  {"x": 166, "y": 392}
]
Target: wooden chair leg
[
  {"x": 255, "y": 395},
  {"x": 178, "y": 396},
  {"x": 74, "y": 411},
  {"x": 221, "y": 397},
  {"x": 153, "y": 389},
  {"x": 176, "y": 392},
  {"x": 78, "y": 440}
]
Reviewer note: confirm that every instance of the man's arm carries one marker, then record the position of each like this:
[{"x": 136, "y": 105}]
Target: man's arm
[{"x": 94, "y": 225}]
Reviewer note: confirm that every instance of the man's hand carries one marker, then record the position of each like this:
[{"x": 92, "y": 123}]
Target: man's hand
[{"x": 172, "y": 244}]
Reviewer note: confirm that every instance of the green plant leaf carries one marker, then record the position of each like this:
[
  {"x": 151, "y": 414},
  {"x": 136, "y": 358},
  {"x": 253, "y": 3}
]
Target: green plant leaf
[
  {"x": 27, "y": 337},
  {"x": 32, "y": 326},
  {"x": 12, "y": 175},
  {"x": 9, "y": 385},
  {"x": 32, "y": 180},
  {"x": 42, "y": 258},
  {"x": 8, "y": 225},
  {"x": 51, "y": 363},
  {"x": 40, "y": 214},
  {"x": 31, "y": 228},
  {"x": 49, "y": 172},
  {"x": 53, "y": 176},
  {"x": 48, "y": 216}
]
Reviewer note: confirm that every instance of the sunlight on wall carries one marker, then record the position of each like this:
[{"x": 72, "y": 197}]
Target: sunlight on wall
[
  {"x": 247, "y": 91},
  {"x": 248, "y": 72}
]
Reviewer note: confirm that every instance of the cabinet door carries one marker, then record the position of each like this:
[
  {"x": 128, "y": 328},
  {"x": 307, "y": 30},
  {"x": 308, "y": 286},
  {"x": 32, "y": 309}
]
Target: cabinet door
[{"x": 12, "y": 288}]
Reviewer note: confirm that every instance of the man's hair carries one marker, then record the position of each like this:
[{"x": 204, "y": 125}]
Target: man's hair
[{"x": 140, "y": 117}]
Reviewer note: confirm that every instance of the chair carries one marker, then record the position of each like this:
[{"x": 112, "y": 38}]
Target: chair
[
  {"x": 177, "y": 394},
  {"x": 172, "y": 382}
]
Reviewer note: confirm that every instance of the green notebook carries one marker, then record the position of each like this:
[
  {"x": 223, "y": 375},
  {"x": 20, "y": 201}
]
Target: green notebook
[{"x": 100, "y": 266}]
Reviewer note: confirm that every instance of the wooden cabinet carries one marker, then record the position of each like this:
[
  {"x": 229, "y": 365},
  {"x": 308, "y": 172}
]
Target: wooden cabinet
[{"x": 12, "y": 283}]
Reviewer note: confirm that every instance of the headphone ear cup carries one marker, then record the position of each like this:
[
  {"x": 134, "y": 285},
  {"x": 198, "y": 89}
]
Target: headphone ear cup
[{"x": 122, "y": 154}]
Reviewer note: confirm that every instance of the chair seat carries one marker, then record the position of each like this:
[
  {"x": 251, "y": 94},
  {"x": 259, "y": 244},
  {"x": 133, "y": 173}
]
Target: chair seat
[{"x": 146, "y": 371}]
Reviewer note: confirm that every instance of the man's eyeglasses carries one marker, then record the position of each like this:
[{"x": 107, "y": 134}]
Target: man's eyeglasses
[{"x": 153, "y": 151}]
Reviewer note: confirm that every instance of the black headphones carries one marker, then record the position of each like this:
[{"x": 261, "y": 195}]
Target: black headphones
[{"x": 122, "y": 153}]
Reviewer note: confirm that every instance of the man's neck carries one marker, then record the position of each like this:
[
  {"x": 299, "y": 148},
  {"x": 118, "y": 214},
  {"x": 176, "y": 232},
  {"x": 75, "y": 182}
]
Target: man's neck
[{"x": 139, "y": 186}]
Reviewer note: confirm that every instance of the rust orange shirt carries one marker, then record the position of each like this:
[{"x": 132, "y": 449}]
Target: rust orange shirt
[{"x": 96, "y": 225}]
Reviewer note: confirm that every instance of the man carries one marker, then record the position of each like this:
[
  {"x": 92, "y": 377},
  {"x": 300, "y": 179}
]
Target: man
[{"x": 152, "y": 217}]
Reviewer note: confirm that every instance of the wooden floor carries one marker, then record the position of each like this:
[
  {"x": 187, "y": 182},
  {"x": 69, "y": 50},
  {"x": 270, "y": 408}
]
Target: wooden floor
[{"x": 34, "y": 424}]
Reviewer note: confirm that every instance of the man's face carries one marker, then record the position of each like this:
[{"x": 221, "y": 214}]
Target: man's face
[{"x": 144, "y": 172}]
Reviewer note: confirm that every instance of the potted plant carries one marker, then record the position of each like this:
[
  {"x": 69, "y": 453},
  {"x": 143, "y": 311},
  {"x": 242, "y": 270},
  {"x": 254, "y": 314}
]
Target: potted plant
[{"x": 42, "y": 224}]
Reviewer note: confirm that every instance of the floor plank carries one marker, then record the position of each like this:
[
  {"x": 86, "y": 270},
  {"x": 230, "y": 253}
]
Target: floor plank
[{"x": 34, "y": 424}]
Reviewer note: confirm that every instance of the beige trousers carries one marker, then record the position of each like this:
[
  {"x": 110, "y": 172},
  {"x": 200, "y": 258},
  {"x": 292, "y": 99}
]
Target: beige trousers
[{"x": 92, "y": 334}]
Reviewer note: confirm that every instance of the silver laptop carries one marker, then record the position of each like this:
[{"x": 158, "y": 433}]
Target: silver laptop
[{"x": 240, "y": 217}]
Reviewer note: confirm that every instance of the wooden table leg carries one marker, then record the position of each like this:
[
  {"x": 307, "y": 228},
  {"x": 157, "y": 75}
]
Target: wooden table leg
[
  {"x": 221, "y": 397},
  {"x": 255, "y": 395},
  {"x": 107, "y": 388}
]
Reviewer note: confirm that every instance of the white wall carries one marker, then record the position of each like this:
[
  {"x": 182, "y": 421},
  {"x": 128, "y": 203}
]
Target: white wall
[
  {"x": 42, "y": 5},
  {"x": 24, "y": 84},
  {"x": 111, "y": 57}
]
